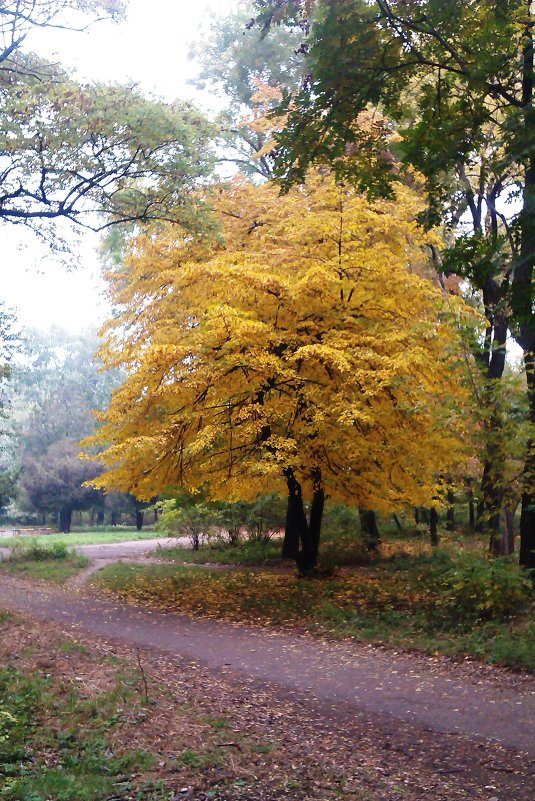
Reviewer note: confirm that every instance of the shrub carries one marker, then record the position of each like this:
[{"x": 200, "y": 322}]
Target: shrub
[
  {"x": 267, "y": 516},
  {"x": 195, "y": 521},
  {"x": 485, "y": 589},
  {"x": 35, "y": 552}
]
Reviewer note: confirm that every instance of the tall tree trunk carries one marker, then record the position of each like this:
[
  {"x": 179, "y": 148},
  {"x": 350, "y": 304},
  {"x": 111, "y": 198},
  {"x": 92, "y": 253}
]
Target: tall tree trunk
[
  {"x": 450, "y": 512},
  {"x": 480, "y": 516},
  {"x": 433, "y": 527},
  {"x": 295, "y": 517},
  {"x": 369, "y": 528},
  {"x": 65, "y": 517},
  {"x": 471, "y": 511},
  {"x": 140, "y": 514},
  {"x": 527, "y": 515},
  {"x": 310, "y": 535},
  {"x": 522, "y": 293},
  {"x": 492, "y": 483},
  {"x": 508, "y": 546}
]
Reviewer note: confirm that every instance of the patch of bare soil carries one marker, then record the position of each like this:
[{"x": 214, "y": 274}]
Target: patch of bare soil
[{"x": 218, "y": 736}]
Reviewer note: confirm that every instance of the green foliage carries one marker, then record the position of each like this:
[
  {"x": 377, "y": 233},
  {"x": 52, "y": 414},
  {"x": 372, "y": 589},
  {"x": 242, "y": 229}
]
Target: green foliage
[
  {"x": 266, "y": 516},
  {"x": 54, "y": 563},
  {"x": 195, "y": 521},
  {"x": 222, "y": 520},
  {"x": 486, "y": 589},
  {"x": 34, "y": 551}
]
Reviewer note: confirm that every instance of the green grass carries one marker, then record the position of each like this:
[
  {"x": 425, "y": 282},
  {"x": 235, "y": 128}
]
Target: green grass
[
  {"x": 435, "y": 603},
  {"x": 54, "y": 563},
  {"x": 57, "y": 744},
  {"x": 93, "y": 537},
  {"x": 57, "y": 571}
]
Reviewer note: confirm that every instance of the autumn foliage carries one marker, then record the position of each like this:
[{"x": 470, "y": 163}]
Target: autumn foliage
[{"x": 307, "y": 350}]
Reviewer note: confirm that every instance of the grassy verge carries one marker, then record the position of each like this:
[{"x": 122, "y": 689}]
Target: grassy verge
[
  {"x": 54, "y": 563},
  {"x": 434, "y": 603},
  {"x": 93, "y": 537}
]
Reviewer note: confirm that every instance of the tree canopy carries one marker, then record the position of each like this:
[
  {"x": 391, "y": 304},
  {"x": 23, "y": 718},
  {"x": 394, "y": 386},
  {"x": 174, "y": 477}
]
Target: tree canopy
[
  {"x": 251, "y": 71},
  {"x": 93, "y": 154},
  {"x": 309, "y": 349}
]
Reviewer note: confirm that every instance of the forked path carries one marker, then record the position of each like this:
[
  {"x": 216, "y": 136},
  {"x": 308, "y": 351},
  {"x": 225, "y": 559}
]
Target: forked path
[{"x": 352, "y": 678}]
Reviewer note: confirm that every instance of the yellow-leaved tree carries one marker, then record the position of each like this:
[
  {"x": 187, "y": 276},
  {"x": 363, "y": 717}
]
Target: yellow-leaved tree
[{"x": 305, "y": 351}]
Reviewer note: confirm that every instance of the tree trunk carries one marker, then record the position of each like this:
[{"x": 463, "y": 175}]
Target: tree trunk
[
  {"x": 398, "y": 523},
  {"x": 527, "y": 515},
  {"x": 140, "y": 514},
  {"x": 508, "y": 527},
  {"x": 310, "y": 535},
  {"x": 300, "y": 532},
  {"x": 100, "y": 517},
  {"x": 450, "y": 512},
  {"x": 416, "y": 515},
  {"x": 295, "y": 517},
  {"x": 65, "y": 517},
  {"x": 522, "y": 292},
  {"x": 370, "y": 529},
  {"x": 480, "y": 518},
  {"x": 471, "y": 512},
  {"x": 433, "y": 526}
]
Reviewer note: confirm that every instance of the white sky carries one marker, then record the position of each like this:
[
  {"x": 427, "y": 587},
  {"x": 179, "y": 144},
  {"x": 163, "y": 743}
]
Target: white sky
[{"x": 151, "y": 48}]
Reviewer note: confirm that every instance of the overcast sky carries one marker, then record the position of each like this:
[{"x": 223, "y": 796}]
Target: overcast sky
[{"x": 151, "y": 48}]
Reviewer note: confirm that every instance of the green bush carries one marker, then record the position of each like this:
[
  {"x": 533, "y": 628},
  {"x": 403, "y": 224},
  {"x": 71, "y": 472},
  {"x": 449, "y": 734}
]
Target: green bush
[
  {"x": 485, "y": 589},
  {"x": 35, "y": 552}
]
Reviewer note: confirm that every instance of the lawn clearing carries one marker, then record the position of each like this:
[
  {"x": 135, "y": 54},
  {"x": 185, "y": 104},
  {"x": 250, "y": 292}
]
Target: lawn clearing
[
  {"x": 93, "y": 537},
  {"x": 421, "y": 602}
]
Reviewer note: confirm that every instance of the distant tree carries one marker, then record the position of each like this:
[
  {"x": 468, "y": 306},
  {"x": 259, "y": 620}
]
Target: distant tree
[
  {"x": 246, "y": 67},
  {"x": 53, "y": 482},
  {"x": 56, "y": 385}
]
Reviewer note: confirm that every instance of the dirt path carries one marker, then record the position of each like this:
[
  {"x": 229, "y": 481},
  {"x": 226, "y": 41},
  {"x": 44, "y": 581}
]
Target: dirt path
[{"x": 348, "y": 679}]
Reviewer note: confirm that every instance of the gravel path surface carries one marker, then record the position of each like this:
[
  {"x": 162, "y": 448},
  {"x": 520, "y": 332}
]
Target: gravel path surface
[
  {"x": 114, "y": 551},
  {"x": 351, "y": 679}
]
